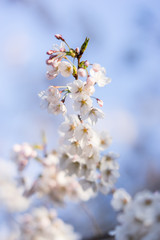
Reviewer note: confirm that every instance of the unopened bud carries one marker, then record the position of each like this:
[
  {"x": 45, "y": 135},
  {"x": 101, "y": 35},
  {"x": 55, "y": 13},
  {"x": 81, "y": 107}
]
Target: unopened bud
[
  {"x": 81, "y": 72},
  {"x": 50, "y": 52},
  {"x": 86, "y": 63},
  {"x": 100, "y": 102},
  {"x": 49, "y": 61},
  {"x": 72, "y": 53},
  {"x": 59, "y": 37},
  {"x": 90, "y": 81},
  {"x": 77, "y": 50}
]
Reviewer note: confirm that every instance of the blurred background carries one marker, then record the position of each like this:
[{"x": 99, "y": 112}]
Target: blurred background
[{"x": 125, "y": 39}]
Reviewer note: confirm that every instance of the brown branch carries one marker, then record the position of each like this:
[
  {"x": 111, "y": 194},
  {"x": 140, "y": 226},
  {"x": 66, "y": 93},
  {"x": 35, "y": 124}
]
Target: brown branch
[{"x": 104, "y": 236}]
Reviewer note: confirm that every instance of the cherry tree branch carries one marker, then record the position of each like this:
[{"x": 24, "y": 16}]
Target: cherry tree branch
[{"x": 104, "y": 236}]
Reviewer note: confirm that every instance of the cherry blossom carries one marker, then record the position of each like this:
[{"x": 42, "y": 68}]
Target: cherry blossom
[
  {"x": 82, "y": 104},
  {"x": 22, "y": 154},
  {"x": 51, "y": 100},
  {"x": 44, "y": 224},
  {"x": 140, "y": 219},
  {"x": 53, "y": 70},
  {"x": 100, "y": 76},
  {"x": 120, "y": 199},
  {"x": 65, "y": 68}
]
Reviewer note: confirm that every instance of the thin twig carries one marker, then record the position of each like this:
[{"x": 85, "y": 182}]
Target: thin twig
[{"x": 91, "y": 217}]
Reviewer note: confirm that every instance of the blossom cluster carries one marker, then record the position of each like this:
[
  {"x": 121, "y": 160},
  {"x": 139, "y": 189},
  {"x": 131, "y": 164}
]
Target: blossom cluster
[
  {"x": 80, "y": 153},
  {"x": 140, "y": 219},
  {"x": 9, "y": 190},
  {"x": 22, "y": 153},
  {"x": 58, "y": 187},
  {"x": 43, "y": 224},
  {"x": 52, "y": 182}
]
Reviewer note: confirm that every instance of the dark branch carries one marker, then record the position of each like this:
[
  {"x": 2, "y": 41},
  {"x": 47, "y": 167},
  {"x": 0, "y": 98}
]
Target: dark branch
[{"x": 104, "y": 236}]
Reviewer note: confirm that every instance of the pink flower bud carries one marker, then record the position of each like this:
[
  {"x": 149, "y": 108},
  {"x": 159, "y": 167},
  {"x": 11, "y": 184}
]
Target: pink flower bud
[
  {"x": 100, "y": 102},
  {"x": 90, "y": 81},
  {"x": 59, "y": 37},
  {"x": 50, "y": 52},
  {"x": 49, "y": 61},
  {"x": 96, "y": 67},
  {"x": 77, "y": 50},
  {"x": 81, "y": 72},
  {"x": 86, "y": 63}
]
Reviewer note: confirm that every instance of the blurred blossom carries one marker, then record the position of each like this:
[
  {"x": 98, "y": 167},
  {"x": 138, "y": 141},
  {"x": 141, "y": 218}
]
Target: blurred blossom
[
  {"x": 140, "y": 219},
  {"x": 44, "y": 225},
  {"x": 11, "y": 196}
]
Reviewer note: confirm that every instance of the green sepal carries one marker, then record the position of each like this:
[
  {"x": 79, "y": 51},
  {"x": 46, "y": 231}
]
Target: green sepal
[
  {"x": 82, "y": 65},
  {"x": 71, "y": 53},
  {"x": 74, "y": 71},
  {"x": 84, "y": 46}
]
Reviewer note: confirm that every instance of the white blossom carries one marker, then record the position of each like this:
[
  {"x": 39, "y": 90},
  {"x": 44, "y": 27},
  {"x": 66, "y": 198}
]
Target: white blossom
[
  {"x": 51, "y": 159},
  {"x": 90, "y": 81},
  {"x": 93, "y": 115},
  {"x": 22, "y": 154},
  {"x": 57, "y": 108},
  {"x": 82, "y": 104},
  {"x": 83, "y": 132},
  {"x": 109, "y": 175},
  {"x": 51, "y": 95},
  {"x": 104, "y": 140},
  {"x": 91, "y": 157},
  {"x": 59, "y": 51},
  {"x": 65, "y": 68},
  {"x": 120, "y": 199},
  {"x": 79, "y": 89},
  {"x": 75, "y": 147},
  {"x": 69, "y": 125},
  {"x": 51, "y": 101},
  {"x": 99, "y": 77},
  {"x": 109, "y": 161},
  {"x": 53, "y": 70}
]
